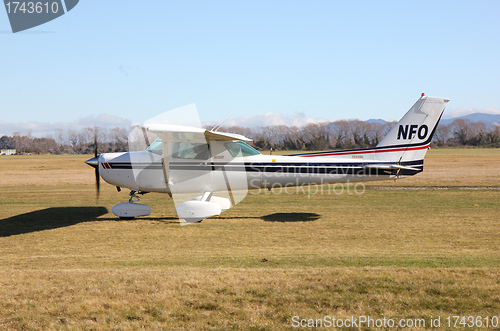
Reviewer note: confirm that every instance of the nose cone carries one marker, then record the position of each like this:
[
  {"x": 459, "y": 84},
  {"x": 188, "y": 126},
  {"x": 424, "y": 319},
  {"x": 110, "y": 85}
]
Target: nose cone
[{"x": 93, "y": 162}]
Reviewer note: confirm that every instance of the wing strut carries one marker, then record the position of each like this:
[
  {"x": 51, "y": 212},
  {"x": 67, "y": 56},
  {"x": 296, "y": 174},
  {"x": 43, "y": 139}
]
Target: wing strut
[{"x": 166, "y": 161}]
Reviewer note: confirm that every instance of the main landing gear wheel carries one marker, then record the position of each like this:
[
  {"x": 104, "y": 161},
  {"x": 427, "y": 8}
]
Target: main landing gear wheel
[{"x": 129, "y": 210}]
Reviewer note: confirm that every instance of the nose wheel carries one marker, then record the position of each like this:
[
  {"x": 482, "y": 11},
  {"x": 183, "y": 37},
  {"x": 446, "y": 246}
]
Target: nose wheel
[{"x": 129, "y": 210}]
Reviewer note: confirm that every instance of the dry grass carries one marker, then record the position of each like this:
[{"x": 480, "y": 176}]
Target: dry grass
[
  {"x": 67, "y": 263},
  {"x": 44, "y": 170},
  {"x": 239, "y": 298}
]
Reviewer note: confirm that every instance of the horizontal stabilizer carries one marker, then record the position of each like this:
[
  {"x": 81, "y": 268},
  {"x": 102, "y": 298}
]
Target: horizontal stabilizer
[{"x": 390, "y": 167}]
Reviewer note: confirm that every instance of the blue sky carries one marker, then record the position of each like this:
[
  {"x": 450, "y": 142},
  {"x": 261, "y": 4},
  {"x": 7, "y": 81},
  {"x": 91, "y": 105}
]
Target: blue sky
[{"x": 299, "y": 59}]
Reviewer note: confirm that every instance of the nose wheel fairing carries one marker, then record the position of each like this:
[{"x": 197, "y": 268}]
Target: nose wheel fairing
[{"x": 131, "y": 209}]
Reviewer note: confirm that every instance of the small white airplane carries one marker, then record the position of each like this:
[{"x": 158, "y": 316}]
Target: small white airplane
[{"x": 203, "y": 170}]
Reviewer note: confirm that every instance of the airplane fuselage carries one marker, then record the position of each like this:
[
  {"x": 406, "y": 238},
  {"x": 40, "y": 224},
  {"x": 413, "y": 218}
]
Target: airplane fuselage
[{"x": 144, "y": 171}]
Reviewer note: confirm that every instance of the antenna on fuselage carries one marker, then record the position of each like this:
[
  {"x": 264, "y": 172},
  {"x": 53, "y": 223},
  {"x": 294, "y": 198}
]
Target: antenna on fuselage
[{"x": 221, "y": 122}]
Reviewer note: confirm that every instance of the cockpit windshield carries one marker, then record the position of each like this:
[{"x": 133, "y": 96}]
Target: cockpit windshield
[{"x": 156, "y": 147}]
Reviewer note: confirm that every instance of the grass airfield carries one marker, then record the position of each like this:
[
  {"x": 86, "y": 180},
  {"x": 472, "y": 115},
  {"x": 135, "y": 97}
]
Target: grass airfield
[{"x": 422, "y": 247}]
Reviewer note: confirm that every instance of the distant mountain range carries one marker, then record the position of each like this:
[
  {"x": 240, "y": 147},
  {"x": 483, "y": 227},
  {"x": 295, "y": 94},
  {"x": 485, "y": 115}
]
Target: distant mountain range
[
  {"x": 377, "y": 120},
  {"x": 488, "y": 119}
]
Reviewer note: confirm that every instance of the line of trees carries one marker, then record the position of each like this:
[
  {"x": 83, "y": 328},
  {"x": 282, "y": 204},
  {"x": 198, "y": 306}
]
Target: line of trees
[
  {"x": 69, "y": 141},
  {"x": 359, "y": 134},
  {"x": 323, "y": 136}
]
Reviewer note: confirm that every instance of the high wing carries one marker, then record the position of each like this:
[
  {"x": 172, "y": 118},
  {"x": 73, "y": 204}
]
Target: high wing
[{"x": 170, "y": 131}]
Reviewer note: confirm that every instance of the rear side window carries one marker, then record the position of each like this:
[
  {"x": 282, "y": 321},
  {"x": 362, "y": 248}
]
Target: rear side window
[{"x": 239, "y": 148}]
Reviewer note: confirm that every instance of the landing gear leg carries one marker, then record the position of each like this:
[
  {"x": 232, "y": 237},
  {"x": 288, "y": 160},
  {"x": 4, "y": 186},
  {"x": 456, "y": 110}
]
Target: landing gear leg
[{"x": 132, "y": 196}]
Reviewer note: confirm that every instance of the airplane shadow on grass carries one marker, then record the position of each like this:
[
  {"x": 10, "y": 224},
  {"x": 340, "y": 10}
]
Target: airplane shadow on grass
[
  {"x": 291, "y": 217},
  {"x": 53, "y": 218},
  {"x": 49, "y": 218},
  {"x": 276, "y": 217}
]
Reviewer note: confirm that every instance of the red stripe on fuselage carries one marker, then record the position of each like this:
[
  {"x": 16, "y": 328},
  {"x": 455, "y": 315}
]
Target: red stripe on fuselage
[{"x": 369, "y": 151}]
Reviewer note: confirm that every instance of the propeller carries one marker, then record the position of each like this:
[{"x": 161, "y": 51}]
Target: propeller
[
  {"x": 94, "y": 162},
  {"x": 97, "y": 175}
]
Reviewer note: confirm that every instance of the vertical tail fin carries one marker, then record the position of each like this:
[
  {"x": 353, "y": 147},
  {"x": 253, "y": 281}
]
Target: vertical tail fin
[{"x": 412, "y": 135}]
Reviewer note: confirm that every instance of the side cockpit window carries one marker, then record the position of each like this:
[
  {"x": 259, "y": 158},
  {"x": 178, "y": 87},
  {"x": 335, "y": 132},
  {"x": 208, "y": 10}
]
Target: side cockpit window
[
  {"x": 183, "y": 150},
  {"x": 189, "y": 150},
  {"x": 239, "y": 148}
]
